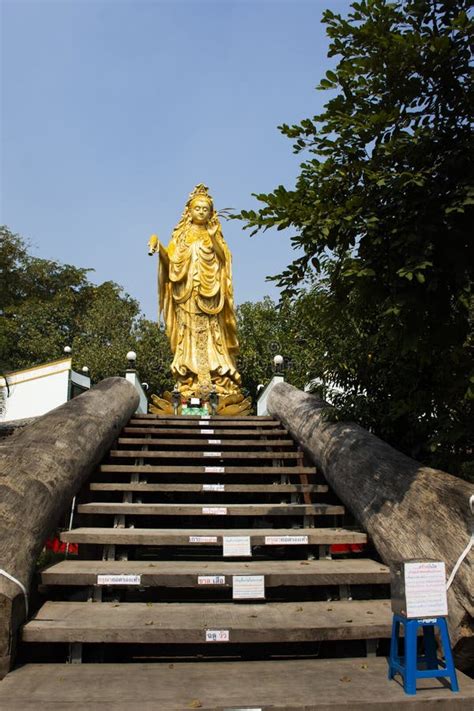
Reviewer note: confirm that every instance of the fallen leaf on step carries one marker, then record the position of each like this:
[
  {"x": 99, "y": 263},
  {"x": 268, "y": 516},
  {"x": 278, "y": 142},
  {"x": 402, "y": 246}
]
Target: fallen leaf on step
[
  {"x": 329, "y": 609},
  {"x": 195, "y": 704},
  {"x": 149, "y": 623},
  {"x": 364, "y": 666},
  {"x": 253, "y": 615},
  {"x": 369, "y": 612},
  {"x": 304, "y": 562},
  {"x": 170, "y": 666},
  {"x": 149, "y": 604},
  {"x": 116, "y": 604},
  {"x": 345, "y": 678},
  {"x": 299, "y": 609}
]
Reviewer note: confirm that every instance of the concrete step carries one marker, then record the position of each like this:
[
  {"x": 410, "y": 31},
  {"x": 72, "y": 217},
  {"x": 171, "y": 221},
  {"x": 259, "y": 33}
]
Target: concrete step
[
  {"x": 130, "y": 509},
  {"x": 199, "y": 454},
  {"x": 204, "y": 488},
  {"x": 207, "y": 469},
  {"x": 192, "y": 574},
  {"x": 211, "y": 536},
  {"x": 288, "y": 685},
  {"x": 200, "y": 429},
  {"x": 205, "y": 441},
  {"x": 256, "y": 420},
  {"x": 190, "y": 623}
]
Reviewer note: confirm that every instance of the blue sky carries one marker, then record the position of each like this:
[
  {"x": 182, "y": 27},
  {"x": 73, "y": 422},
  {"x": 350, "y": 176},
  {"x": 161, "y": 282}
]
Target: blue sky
[{"x": 112, "y": 110}]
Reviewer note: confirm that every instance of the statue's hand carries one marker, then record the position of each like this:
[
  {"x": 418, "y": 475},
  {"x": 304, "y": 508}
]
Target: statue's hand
[
  {"x": 212, "y": 230},
  {"x": 153, "y": 245}
]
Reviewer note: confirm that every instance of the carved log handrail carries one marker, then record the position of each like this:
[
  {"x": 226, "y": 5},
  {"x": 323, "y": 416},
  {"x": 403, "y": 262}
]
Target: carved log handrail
[
  {"x": 408, "y": 510},
  {"x": 41, "y": 468}
]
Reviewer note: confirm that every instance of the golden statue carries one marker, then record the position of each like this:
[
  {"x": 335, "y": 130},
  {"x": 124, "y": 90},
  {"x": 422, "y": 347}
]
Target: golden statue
[{"x": 196, "y": 299}]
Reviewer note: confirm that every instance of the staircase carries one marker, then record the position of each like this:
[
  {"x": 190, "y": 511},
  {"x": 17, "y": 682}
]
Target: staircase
[{"x": 210, "y": 576}]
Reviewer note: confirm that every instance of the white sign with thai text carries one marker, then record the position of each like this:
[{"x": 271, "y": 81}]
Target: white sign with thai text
[
  {"x": 203, "y": 539},
  {"x": 425, "y": 589},
  {"x": 211, "y": 579},
  {"x": 118, "y": 579},
  {"x": 217, "y": 635},
  {"x": 248, "y": 587},
  {"x": 286, "y": 540},
  {"x": 214, "y": 510},
  {"x": 236, "y": 546}
]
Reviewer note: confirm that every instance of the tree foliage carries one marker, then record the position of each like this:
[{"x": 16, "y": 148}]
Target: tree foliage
[
  {"x": 47, "y": 305},
  {"x": 382, "y": 213},
  {"x": 265, "y": 330}
]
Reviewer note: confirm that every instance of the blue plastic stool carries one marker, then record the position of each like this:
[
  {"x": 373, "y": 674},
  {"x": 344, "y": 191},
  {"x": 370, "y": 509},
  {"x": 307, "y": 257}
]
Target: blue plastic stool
[{"x": 407, "y": 666}]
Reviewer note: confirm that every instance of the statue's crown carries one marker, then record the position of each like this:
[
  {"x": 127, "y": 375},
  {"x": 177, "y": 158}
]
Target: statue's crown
[{"x": 200, "y": 191}]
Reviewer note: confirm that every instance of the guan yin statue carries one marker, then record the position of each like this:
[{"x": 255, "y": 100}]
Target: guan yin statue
[{"x": 196, "y": 300}]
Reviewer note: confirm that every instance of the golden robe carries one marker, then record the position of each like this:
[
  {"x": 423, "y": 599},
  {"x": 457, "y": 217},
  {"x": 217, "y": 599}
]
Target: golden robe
[{"x": 197, "y": 303}]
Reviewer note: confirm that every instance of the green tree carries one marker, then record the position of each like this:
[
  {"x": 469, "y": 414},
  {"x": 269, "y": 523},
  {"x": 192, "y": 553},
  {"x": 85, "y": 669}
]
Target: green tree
[
  {"x": 104, "y": 330},
  {"x": 41, "y": 301},
  {"x": 259, "y": 332},
  {"x": 265, "y": 330},
  {"x": 382, "y": 212},
  {"x": 153, "y": 355},
  {"x": 46, "y": 305}
]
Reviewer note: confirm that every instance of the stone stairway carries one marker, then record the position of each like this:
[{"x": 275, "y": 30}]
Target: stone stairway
[{"x": 207, "y": 579}]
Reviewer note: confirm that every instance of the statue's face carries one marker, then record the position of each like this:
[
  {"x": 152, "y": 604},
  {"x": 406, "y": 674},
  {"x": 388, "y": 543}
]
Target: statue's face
[{"x": 200, "y": 212}]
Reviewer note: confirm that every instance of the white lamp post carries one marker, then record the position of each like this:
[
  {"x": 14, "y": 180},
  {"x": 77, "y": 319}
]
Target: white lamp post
[
  {"x": 131, "y": 358},
  {"x": 278, "y": 364}
]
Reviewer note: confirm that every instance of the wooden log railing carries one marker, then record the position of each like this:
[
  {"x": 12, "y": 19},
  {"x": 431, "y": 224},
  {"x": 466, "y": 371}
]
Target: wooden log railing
[
  {"x": 409, "y": 510},
  {"x": 41, "y": 468}
]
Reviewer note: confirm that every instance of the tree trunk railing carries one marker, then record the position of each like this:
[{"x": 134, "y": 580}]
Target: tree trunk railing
[
  {"x": 408, "y": 510},
  {"x": 41, "y": 468}
]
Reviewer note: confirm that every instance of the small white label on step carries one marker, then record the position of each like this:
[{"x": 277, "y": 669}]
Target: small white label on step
[
  {"x": 248, "y": 587},
  {"x": 206, "y": 431},
  {"x": 214, "y": 441},
  {"x": 212, "y": 454},
  {"x": 213, "y": 487},
  {"x": 214, "y": 470},
  {"x": 214, "y": 510},
  {"x": 286, "y": 540},
  {"x": 119, "y": 579},
  {"x": 217, "y": 635},
  {"x": 202, "y": 421},
  {"x": 211, "y": 579},
  {"x": 203, "y": 539},
  {"x": 236, "y": 546}
]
